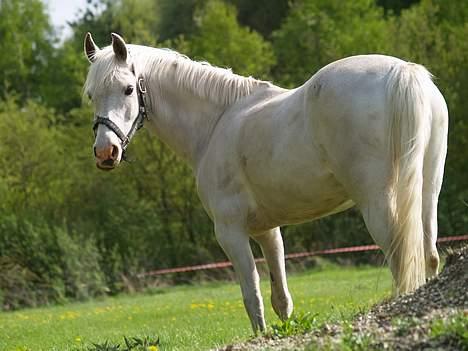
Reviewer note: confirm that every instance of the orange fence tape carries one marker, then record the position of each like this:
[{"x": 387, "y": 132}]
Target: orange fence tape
[{"x": 218, "y": 265}]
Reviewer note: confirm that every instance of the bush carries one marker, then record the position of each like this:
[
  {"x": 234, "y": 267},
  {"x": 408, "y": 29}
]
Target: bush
[{"x": 40, "y": 264}]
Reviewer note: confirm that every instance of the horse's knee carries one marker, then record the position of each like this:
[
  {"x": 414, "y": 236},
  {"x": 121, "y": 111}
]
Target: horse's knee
[{"x": 282, "y": 304}]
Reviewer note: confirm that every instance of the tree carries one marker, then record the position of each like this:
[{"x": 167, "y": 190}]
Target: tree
[
  {"x": 26, "y": 44},
  {"x": 220, "y": 40},
  {"x": 317, "y": 32},
  {"x": 396, "y": 5},
  {"x": 263, "y": 16},
  {"x": 177, "y": 18}
]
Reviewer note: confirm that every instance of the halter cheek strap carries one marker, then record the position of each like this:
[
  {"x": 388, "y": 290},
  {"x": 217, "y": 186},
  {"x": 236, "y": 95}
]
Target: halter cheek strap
[{"x": 137, "y": 123}]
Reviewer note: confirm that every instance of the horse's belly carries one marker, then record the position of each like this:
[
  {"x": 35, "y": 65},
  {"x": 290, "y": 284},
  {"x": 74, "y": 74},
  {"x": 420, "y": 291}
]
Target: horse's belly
[
  {"x": 305, "y": 199},
  {"x": 261, "y": 220}
]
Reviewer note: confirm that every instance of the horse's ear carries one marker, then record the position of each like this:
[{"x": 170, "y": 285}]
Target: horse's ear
[
  {"x": 90, "y": 48},
  {"x": 120, "y": 50}
]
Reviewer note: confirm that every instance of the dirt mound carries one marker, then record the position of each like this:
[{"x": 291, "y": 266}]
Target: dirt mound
[
  {"x": 434, "y": 317},
  {"x": 448, "y": 290},
  {"x": 411, "y": 321}
]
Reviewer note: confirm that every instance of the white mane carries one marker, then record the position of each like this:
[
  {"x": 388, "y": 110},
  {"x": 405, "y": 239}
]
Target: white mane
[{"x": 164, "y": 66}]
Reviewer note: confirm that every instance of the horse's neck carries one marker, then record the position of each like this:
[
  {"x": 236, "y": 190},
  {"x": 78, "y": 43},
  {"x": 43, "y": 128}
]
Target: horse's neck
[
  {"x": 184, "y": 122},
  {"x": 182, "y": 117}
]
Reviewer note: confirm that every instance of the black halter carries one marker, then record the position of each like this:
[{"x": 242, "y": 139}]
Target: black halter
[{"x": 137, "y": 123}]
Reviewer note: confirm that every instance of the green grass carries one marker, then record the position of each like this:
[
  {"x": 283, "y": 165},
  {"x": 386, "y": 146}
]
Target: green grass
[
  {"x": 188, "y": 317},
  {"x": 298, "y": 323},
  {"x": 452, "y": 330}
]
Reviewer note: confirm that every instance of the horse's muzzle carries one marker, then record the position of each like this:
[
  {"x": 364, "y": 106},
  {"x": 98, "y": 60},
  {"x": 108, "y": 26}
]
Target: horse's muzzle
[{"x": 107, "y": 158}]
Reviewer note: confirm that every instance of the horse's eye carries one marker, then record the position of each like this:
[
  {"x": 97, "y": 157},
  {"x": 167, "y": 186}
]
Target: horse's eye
[{"x": 129, "y": 90}]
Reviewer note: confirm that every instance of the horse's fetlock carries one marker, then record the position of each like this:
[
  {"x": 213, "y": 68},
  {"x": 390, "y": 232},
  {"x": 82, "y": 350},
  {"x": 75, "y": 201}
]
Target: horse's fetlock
[
  {"x": 282, "y": 305},
  {"x": 432, "y": 265}
]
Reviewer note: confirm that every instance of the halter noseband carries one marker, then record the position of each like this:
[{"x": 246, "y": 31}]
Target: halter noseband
[{"x": 137, "y": 123}]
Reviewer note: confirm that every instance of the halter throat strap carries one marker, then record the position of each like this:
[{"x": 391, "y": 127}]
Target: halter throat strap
[{"x": 136, "y": 125}]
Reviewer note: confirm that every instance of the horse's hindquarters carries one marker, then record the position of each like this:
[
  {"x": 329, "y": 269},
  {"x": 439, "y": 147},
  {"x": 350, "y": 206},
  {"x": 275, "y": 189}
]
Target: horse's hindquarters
[{"x": 373, "y": 122}]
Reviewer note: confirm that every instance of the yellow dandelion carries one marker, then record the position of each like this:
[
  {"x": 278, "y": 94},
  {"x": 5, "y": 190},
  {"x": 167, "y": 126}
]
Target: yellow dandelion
[
  {"x": 78, "y": 339},
  {"x": 153, "y": 348}
]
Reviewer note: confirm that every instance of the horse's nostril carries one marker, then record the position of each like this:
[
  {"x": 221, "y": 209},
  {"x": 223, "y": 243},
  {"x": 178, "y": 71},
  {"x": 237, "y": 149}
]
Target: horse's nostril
[
  {"x": 108, "y": 163},
  {"x": 115, "y": 152}
]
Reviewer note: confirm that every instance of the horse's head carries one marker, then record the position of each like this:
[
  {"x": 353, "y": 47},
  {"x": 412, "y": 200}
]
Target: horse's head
[{"x": 117, "y": 95}]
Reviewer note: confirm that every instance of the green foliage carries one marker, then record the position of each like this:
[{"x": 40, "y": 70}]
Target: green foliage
[
  {"x": 30, "y": 156},
  {"x": 317, "y": 32},
  {"x": 355, "y": 341},
  {"x": 42, "y": 264},
  {"x": 403, "y": 326},
  {"x": 26, "y": 45},
  {"x": 263, "y": 16},
  {"x": 146, "y": 342},
  {"x": 106, "y": 346},
  {"x": 136, "y": 344},
  {"x": 396, "y": 5},
  {"x": 66, "y": 69},
  {"x": 220, "y": 40},
  {"x": 177, "y": 17},
  {"x": 297, "y": 324},
  {"x": 68, "y": 231},
  {"x": 452, "y": 331}
]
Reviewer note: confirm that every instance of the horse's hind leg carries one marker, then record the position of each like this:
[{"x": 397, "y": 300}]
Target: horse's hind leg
[
  {"x": 373, "y": 198},
  {"x": 433, "y": 170},
  {"x": 430, "y": 199},
  {"x": 375, "y": 208},
  {"x": 271, "y": 244}
]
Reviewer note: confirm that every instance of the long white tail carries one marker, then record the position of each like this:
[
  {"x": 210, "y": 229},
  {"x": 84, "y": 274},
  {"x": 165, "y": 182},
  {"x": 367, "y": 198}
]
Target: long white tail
[{"x": 407, "y": 94}]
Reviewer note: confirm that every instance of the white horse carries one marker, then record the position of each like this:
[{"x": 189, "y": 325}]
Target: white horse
[{"x": 368, "y": 130}]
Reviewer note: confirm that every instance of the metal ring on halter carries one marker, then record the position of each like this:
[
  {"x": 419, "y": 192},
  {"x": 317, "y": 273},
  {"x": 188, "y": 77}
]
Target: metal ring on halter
[{"x": 141, "y": 85}]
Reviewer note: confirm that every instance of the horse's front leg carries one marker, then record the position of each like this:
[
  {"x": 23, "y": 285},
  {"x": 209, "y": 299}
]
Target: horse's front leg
[
  {"x": 235, "y": 242},
  {"x": 272, "y": 247}
]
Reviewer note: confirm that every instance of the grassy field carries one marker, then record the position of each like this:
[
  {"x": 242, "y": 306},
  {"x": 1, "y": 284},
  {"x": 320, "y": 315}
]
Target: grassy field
[{"x": 187, "y": 317}]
